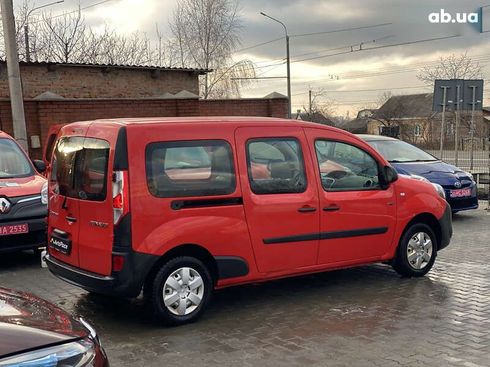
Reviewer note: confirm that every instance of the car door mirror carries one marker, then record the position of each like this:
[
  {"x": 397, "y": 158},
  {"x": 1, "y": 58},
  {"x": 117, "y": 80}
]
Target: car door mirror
[
  {"x": 389, "y": 174},
  {"x": 40, "y": 165}
]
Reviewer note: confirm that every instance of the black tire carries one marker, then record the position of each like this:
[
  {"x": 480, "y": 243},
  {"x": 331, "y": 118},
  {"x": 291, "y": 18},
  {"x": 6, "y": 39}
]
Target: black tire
[
  {"x": 155, "y": 293},
  {"x": 402, "y": 264}
]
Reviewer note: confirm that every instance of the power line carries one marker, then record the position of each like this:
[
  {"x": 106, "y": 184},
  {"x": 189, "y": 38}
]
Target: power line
[
  {"x": 259, "y": 44},
  {"x": 311, "y": 34},
  {"x": 368, "y": 90},
  {"x": 343, "y": 47},
  {"x": 379, "y": 47},
  {"x": 412, "y": 67},
  {"x": 72, "y": 12},
  {"x": 273, "y": 68},
  {"x": 341, "y": 30},
  {"x": 369, "y": 75}
]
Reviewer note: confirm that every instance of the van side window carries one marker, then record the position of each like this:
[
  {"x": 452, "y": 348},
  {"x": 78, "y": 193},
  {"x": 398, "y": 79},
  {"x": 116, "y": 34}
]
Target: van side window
[
  {"x": 275, "y": 166},
  {"x": 344, "y": 167},
  {"x": 190, "y": 168}
]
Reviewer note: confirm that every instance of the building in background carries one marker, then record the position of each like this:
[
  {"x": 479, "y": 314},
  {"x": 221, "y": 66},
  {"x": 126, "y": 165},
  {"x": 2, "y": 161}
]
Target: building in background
[
  {"x": 359, "y": 125},
  {"x": 57, "y": 93}
]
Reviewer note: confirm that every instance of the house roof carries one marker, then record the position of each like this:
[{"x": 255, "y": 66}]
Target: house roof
[
  {"x": 406, "y": 106},
  {"x": 116, "y": 66},
  {"x": 317, "y": 117},
  {"x": 355, "y": 126},
  {"x": 275, "y": 95},
  {"x": 371, "y": 110}
]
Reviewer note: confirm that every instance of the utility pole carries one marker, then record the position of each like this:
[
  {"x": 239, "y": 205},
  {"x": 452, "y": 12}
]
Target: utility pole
[
  {"x": 443, "y": 120},
  {"x": 287, "y": 60},
  {"x": 310, "y": 107},
  {"x": 288, "y": 73},
  {"x": 15, "y": 86},
  {"x": 456, "y": 135},
  {"x": 26, "y": 26},
  {"x": 472, "y": 124}
]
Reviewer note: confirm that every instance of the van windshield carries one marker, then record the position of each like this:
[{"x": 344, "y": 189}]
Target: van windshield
[
  {"x": 13, "y": 162},
  {"x": 80, "y": 167}
]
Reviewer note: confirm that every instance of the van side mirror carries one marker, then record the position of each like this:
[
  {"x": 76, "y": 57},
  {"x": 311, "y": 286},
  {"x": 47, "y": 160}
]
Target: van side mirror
[
  {"x": 389, "y": 175},
  {"x": 40, "y": 165}
]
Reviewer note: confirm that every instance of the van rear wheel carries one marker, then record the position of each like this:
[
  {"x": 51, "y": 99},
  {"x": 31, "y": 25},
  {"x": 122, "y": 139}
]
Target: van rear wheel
[
  {"x": 180, "y": 290},
  {"x": 416, "y": 251}
]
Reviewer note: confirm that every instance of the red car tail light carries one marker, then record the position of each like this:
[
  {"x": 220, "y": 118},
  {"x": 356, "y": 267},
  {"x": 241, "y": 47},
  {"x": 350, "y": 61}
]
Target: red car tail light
[{"x": 120, "y": 195}]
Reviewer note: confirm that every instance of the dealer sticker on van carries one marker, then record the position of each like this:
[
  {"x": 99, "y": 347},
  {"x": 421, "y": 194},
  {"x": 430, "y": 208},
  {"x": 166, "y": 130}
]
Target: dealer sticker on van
[{"x": 60, "y": 244}]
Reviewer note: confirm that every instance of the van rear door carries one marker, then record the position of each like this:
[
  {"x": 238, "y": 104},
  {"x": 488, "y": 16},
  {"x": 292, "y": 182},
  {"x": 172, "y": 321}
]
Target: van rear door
[
  {"x": 63, "y": 200},
  {"x": 49, "y": 144},
  {"x": 95, "y": 240}
]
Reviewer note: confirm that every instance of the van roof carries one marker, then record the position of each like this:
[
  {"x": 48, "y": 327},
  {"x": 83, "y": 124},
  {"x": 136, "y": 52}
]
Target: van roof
[
  {"x": 237, "y": 120},
  {"x": 4, "y": 135}
]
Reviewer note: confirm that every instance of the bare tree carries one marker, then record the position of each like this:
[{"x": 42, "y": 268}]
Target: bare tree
[
  {"x": 451, "y": 67},
  {"x": 206, "y": 32},
  {"x": 322, "y": 107},
  {"x": 66, "y": 34},
  {"x": 66, "y": 38},
  {"x": 383, "y": 98}
]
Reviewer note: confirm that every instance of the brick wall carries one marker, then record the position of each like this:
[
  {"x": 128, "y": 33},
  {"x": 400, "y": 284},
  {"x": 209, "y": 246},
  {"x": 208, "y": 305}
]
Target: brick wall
[
  {"x": 41, "y": 115},
  {"x": 244, "y": 107},
  {"x": 72, "y": 81}
]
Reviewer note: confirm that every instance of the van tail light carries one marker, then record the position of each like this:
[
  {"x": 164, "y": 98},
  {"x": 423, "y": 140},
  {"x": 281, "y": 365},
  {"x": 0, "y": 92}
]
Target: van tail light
[
  {"x": 117, "y": 262},
  {"x": 120, "y": 195}
]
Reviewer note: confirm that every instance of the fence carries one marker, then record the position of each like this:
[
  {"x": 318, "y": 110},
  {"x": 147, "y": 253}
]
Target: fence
[{"x": 474, "y": 158}]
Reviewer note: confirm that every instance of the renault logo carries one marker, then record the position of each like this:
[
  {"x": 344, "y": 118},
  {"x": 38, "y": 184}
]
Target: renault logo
[
  {"x": 4, "y": 206},
  {"x": 457, "y": 184}
]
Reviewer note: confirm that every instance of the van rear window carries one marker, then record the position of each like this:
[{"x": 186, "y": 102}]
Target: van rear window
[
  {"x": 80, "y": 167},
  {"x": 190, "y": 168}
]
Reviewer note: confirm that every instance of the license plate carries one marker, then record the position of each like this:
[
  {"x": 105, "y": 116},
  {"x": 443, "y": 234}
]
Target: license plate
[
  {"x": 59, "y": 244},
  {"x": 460, "y": 193},
  {"x": 14, "y": 229}
]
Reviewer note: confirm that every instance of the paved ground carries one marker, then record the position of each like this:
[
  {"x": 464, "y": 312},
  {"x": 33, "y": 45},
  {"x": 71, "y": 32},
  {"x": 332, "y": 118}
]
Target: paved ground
[{"x": 360, "y": 317}]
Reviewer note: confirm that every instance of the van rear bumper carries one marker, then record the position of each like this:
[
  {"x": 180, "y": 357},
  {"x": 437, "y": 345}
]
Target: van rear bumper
[{"x": 127, "y": 283}]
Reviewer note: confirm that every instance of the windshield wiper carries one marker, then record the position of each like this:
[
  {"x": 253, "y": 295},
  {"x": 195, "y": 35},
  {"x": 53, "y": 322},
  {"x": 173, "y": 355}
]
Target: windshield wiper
[{"x": 413, "y": 160}]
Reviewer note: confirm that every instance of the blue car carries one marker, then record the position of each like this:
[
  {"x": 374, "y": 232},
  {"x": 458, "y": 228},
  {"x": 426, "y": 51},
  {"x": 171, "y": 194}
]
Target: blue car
[{"x": 458, "y": 185}]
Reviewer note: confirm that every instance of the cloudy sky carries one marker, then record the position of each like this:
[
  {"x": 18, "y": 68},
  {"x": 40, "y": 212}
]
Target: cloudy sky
[{"x": 353, "y": 80}]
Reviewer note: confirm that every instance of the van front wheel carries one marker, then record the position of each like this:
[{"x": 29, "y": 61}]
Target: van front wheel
[
  {"x": 181, "y": 290},
  {"x": 416, "y": 251}
]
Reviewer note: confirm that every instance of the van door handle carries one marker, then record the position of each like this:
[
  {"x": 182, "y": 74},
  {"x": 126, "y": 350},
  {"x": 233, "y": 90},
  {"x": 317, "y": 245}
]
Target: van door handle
[
  {"x": 331, "y": 208},
  {"x": 307, "y": 209},
  {"x": 71, "y": 219}
]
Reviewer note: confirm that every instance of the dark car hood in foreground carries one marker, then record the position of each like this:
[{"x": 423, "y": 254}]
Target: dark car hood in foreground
[
  {"x": 28, "y": 322},
  {"x": 437, "y": 171}
]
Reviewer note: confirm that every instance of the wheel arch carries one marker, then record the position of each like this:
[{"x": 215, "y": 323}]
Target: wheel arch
[
  {"x": 190, "y": 250},
  {"x": 430, "y": 220}
]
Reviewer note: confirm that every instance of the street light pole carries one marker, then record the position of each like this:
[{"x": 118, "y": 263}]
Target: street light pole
[
  {"x": 287, "y": 60},
  {"x": 26, "y": 26}
]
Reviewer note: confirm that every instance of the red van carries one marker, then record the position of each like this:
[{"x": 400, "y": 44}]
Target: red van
[
  {"x": 181, "y": 206},
  {"x": 23, "y": 198}
]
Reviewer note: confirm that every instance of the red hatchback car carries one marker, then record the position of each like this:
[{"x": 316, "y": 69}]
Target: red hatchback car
[
  {"x": 23, "y": 198},
  {"x": 181, "y": 206}
]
